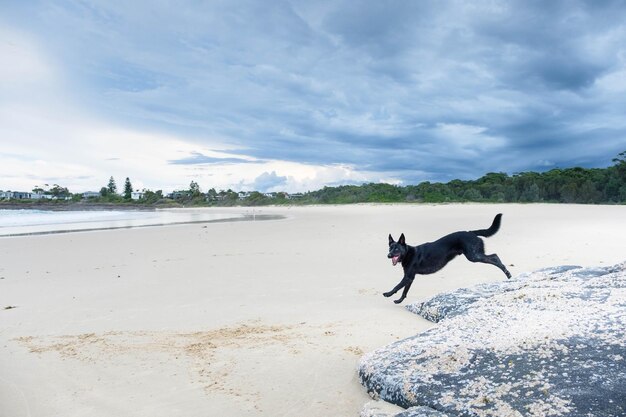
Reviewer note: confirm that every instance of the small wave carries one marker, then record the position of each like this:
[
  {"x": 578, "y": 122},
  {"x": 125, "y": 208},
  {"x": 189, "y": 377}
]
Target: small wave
[{"x": 35, "y": 222}]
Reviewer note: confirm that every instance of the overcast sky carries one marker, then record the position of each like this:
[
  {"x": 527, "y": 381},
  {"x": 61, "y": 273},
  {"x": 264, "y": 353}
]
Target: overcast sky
[{"x": 294, "y": 95}]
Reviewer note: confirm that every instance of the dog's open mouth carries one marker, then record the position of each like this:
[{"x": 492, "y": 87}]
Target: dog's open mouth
[{"x": 395, "y": 259}]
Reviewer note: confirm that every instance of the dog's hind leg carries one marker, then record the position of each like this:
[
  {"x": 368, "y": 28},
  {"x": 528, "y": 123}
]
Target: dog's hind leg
[
  {"x": 495, "y": 260},
  {"x": 476, "y": 253}
]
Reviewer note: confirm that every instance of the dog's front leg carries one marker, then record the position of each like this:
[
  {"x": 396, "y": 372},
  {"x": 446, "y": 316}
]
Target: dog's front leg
[
  {"x": 396, "y": 288},
  {"x": 406, "y": 290}
]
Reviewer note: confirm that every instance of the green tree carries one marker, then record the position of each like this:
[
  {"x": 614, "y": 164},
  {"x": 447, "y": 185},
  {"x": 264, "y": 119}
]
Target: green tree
[
  {"x": 228, "y": 197},
  {"x": 194, "y": 189},
  {"x": 569, "y": 192},
  {"x": 492, "y": 185},
  {"x": 151, "y": 197},
  {"x": 111, "y": 187},
  {"x": 256, "y": 199},
  {"x": 472, "y": 194},
  {"x": 128, "y": 189},
  {"x": 531, "y": 193},
  {"x": 59, "y": 192},
  {"x": 622, "y": 194},
  {"x": 211, "y": 195},
  {"x": 620, "y": 164},
  {"x": 510, "y": 193},
  {"x": 589, "y": 193}
]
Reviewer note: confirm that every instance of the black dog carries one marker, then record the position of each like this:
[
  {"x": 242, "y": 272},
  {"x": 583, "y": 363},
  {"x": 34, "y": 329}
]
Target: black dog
[{"x": 432, "y": 256}]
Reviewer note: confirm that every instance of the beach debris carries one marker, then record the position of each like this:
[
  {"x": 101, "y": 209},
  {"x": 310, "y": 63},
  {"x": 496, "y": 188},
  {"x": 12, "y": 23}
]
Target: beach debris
[
  {"x": 355, "y": 350},
  {"x": 10, "y": 307},
  {"x": 548, "y": 343}
]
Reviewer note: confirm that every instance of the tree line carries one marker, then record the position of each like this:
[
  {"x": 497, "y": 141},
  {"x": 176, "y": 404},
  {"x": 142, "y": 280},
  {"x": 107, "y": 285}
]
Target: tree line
[{"x": 570, "y": 185}]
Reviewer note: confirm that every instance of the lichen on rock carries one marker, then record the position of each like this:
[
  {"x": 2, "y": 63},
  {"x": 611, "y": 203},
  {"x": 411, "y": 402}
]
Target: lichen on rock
[{"x": 548, "y": 343}]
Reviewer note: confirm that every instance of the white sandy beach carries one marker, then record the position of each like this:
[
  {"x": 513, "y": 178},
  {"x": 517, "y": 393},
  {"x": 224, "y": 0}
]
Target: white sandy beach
[{"x": 264, "y": 318}]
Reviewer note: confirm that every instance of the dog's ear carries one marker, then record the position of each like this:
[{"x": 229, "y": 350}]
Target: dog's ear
[
  {"x": 391, "y": 239},
  {"x": 401, "y": 240}
]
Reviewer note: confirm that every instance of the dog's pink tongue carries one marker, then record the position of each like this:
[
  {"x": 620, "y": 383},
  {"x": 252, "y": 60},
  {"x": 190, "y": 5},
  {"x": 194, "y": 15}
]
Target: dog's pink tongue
[{"x": 394, "y": 260}]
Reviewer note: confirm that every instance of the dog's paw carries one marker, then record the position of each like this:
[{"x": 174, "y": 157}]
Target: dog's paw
[
  {"x": 387, "y": 294},
  {"x": 398, "y": 301}
]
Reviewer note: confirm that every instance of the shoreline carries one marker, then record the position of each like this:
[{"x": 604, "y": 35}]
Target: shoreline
[
  {"x": 242, "y": 218},
  {"x": 72, "y": 206},
  {"x": 80, "y": 206}
]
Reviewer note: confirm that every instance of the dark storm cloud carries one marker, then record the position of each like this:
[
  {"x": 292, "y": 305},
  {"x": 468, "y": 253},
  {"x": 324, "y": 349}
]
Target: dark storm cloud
[{"x": 425, "y": 90}]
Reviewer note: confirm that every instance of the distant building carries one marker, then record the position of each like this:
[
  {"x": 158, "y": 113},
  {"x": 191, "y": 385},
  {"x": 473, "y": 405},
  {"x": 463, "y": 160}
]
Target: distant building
[
  {"x": 178, "y": 194},
  {"x": 47, "y": 196},
  {"x": 23, "y": 195},
  {"x": 17, "y": 195},
  {"x": 137, "y": 195},
  {"x": 91, "y": 194}
]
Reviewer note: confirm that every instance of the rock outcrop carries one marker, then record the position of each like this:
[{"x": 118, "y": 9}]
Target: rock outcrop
[{"x": 547, "y": 343}]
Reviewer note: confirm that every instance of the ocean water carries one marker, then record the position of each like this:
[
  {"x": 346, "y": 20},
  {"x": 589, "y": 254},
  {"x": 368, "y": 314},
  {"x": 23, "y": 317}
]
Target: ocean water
[{"x": 26, "y": 222}]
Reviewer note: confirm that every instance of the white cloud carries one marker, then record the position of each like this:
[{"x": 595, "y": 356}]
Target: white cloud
[
  {"x": 286, "y": 176},
  {"x": 23, "y": 62},
  {"x": 49, "y": 138},
  {"x": 468, "y": 138},
  {"x": 613, "y": 83}
]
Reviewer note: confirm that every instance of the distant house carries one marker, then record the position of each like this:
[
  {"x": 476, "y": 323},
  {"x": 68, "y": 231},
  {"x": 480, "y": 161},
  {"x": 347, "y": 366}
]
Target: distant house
[
  {"x": 137, "y": 195},
  {"x": 91, "y": 194},
  {"x": 294, "y": 196},
  {"x": 178, "y": 194},
  {"x": 17, "y": 195},
  {"x": 23, "y": 195},
  {"x": 38, "y": 195}
]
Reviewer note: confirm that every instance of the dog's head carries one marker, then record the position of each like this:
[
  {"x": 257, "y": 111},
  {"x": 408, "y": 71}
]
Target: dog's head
[{"x": 397, "y": 250}]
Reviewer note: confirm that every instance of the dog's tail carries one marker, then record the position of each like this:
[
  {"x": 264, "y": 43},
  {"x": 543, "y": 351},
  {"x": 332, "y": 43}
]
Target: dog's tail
[{"x": 495, "y": 226}]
